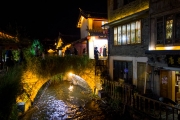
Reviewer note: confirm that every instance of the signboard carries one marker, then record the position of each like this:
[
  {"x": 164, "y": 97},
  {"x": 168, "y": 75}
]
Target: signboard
[{"x": 173, "y": 60}]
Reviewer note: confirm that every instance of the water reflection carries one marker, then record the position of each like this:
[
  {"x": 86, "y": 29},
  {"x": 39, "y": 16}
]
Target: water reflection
[
  {"x": 61, "y": 101},
  {"x": 70, "y": 88}
]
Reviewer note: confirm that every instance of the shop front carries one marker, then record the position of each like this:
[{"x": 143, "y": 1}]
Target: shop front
[
  {"x": 170, "y": 78},
  {"x": 165, "y": 76},
  {"x": 101, "y": 44}
]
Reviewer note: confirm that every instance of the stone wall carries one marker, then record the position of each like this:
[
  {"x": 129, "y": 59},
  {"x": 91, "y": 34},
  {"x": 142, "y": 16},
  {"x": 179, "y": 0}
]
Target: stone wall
[
  {"x": 32, "y": 83},
  {"x": 159, "y": 6},
  {"x": 124, "y": 11}
]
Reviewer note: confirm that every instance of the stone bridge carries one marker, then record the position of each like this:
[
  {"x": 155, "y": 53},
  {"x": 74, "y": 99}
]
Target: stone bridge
[{"x": 32, "y": 83}]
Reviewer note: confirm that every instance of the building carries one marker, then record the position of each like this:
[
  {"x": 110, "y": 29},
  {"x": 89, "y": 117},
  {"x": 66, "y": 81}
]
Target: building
[
  {"x": 128, "y": 24},
  {"x": 92, "y": 33},
  {"x": 6, "y": 41},
  {"x": 66, "y": 41},
  {"x": 164, "y": 47}
]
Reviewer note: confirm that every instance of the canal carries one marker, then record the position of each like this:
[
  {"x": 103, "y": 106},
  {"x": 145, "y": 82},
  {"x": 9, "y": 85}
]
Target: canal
[{"x": 64, "y": 101}]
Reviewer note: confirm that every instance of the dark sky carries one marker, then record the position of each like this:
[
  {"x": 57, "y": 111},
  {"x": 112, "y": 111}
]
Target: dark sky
[{"x": 47, "y": 18}]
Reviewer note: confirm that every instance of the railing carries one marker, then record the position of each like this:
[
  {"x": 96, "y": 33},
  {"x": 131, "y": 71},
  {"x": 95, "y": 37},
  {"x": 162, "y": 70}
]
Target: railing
[{"x": 150, "y": 107}]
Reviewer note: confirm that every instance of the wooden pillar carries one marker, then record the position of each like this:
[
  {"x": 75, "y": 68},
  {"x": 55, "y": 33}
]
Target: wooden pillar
[{"x": 1, "y": 62}]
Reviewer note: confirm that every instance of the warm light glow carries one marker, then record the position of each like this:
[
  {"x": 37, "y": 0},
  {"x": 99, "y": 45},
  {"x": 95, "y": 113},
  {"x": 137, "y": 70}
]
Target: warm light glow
[
  {"x": 70, "y": 74},
  {"x": 80, "y": 22},
  {"x": 168, "y": 48},
  {"x": 70, "y": 88},
  {"x": 50, "y": 51},
  {"x": 151, "y": 47},
  {"x": 104, "y": 22},
  {"x": 125, "y": 14},
  {"x": 64, "y": 48},
  {"x": 59, "y": 43},
  {"x": 3, "y": 35}
]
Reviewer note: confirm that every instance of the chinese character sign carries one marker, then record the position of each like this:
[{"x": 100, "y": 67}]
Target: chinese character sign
[{"x": 173, "y": 60}]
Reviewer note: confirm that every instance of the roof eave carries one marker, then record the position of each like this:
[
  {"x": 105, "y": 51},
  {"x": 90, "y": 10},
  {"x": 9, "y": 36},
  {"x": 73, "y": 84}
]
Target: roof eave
[{"x": 131, "y": 17}]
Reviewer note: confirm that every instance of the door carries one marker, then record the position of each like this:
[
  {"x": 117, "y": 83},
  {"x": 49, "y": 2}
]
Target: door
[
  {"x": 164, "y": 79},
  {"x": 141, "y": 68}
]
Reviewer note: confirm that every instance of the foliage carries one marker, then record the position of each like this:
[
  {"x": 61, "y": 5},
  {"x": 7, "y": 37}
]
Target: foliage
[
  {"x": 10, "y": 88},
  {"x": 14, "y": 113},
  {"x": 40, "y": 46},
  {"x": 57, "y": 78},
  {"x": 10, "y": 82},
  {"x": 119, "y": 89},
  {"x": 15, "y": 55},
  {"x": 53, "y": 65}
]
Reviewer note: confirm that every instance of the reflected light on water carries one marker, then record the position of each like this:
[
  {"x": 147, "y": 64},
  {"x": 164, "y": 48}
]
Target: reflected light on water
[
  {"x": 70, "y": 88},
  {"x": 70, "y": 74}
]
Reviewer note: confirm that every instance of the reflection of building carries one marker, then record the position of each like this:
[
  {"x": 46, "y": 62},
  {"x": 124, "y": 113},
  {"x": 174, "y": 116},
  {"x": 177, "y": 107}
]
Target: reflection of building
[
  {"x": 128, "y": 28},
  {"x": 164, "y": 47},
  {"x": 92, "y": 33}
]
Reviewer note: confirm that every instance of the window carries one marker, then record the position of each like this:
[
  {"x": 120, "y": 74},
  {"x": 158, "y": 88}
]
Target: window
[
  {"x": 115, "y": 36},
  {"x": 128, "y": 34},
  {"x": 168, "y": 29},
  {"x": 119, "y": 36},
  {"x": 177, "y": 29},
  {"x": 160, "y": 31},
  {"x": 122, "y": 70}
]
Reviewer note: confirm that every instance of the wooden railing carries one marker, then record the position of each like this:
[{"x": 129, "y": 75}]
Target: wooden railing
[{"x": 148, "y": 106}]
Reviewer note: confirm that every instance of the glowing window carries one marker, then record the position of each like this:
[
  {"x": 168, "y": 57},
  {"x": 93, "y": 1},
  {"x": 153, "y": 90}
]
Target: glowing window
[{"x": 128, "y": 33}]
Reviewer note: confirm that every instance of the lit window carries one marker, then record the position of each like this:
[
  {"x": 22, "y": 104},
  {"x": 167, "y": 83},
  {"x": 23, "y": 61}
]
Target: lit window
[
  {"x": 128, "y": 34},
  {"x": 168, "y": 29},
  {"x": 115, "y": 36}
]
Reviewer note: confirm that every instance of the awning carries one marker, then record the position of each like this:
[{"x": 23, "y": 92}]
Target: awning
[
  {"x": 162, "y": 52},
  {"x": 171, "y": 68}
]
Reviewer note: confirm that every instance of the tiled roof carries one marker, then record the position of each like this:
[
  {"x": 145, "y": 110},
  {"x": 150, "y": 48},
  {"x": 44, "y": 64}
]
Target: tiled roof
[
  {"x": 67, "y": 39},
  {"x": 88, "y": 14}
]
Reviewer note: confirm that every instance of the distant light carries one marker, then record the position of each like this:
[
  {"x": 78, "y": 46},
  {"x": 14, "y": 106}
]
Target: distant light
[{"x": 50, "y": 51}]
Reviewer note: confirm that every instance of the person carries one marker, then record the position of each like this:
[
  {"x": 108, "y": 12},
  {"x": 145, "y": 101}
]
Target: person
[
  {"x": 75, "y": 51},
  {"x": 36, "y": 51},
  {"x": 21, "y": 56},
  {"x": 9, "y": 58},
  {"x": 43, "y": 55},
  {"x": 104, "y": 51},
  {"x": 84, "y": 51},
  {"x": 96, "y": 55},
  {"x": 67, "y": 51}
]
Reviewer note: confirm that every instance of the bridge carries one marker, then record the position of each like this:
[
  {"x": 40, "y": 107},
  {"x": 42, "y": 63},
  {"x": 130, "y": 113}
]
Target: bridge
[{"x": 34, "y": 80}]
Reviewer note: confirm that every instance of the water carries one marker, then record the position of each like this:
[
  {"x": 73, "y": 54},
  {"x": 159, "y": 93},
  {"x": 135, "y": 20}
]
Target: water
[{"x": 62, "y": 101}]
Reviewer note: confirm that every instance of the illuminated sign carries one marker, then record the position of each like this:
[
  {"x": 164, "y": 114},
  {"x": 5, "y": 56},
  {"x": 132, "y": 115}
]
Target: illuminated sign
[{"x": 173, "y": 60}]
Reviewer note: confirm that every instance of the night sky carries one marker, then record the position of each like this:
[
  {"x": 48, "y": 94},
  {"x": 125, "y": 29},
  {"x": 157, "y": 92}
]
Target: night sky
[{"x": 47, "y": 18}]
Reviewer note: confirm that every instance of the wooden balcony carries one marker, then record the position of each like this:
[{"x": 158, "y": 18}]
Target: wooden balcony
[{"x": 97, "y": 32}]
